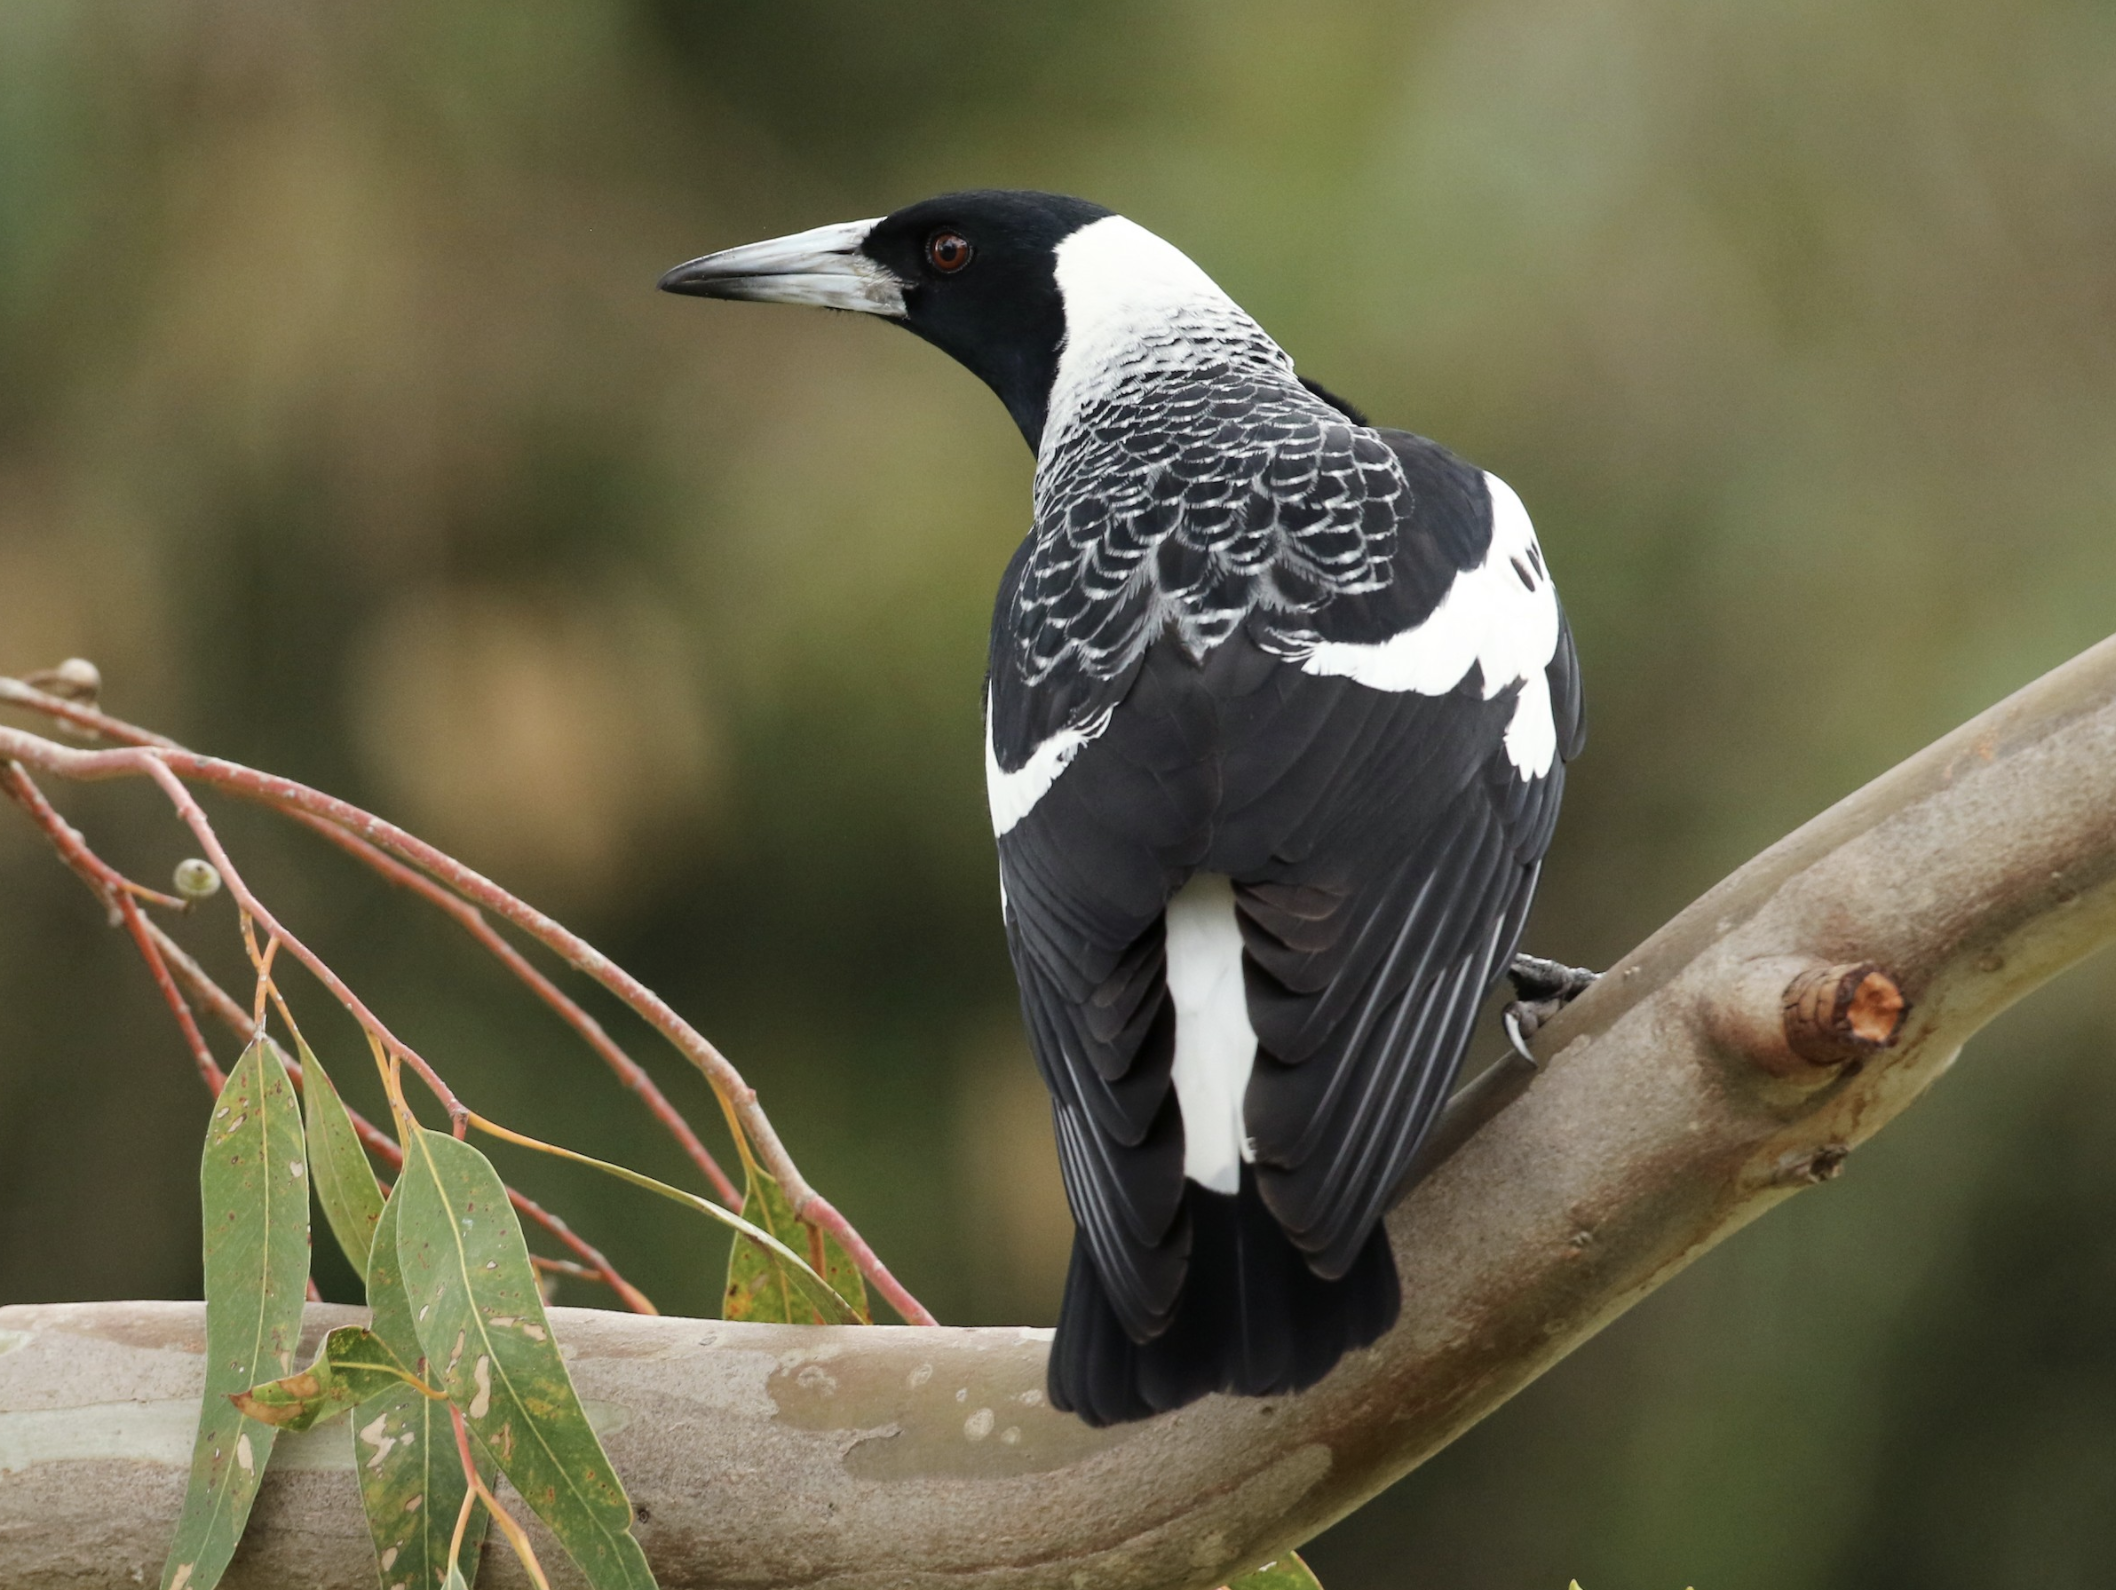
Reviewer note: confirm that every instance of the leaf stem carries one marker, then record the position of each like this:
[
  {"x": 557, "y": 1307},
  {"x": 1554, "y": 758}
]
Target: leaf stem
[
  {"x": 516, "y": 1536},
  {"x": 821, "y": 1292}
]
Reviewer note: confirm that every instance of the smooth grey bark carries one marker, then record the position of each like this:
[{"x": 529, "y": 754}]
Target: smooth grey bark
[{"x": 1680, "y": 1098}]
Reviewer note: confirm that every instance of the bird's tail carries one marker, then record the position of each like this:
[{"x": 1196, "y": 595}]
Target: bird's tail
[{"x": 1252, "y": 1318}]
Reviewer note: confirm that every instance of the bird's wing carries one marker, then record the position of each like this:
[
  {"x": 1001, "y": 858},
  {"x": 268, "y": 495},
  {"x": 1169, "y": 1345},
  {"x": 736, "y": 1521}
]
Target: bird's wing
[
  {"x": 1404, "y": 850},
  {"x": 1403, "y": 781},
  {"x": 1380, "y": 794}
]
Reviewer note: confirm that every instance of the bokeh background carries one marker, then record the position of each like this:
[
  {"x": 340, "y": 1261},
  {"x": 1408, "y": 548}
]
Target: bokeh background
[{"x": 340, "y": 424}]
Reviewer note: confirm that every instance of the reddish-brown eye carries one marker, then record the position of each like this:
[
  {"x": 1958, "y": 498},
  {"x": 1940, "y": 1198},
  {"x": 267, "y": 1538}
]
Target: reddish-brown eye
[{"x": 948, "y": 252}]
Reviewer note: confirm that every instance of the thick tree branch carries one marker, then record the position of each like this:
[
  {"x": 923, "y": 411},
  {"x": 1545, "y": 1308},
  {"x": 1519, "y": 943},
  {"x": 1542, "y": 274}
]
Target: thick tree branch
[{"x": 1734, "y": 1058}]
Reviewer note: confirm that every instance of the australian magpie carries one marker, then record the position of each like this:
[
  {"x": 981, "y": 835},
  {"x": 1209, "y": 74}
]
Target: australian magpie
[{"x": 1276, "y": 722}]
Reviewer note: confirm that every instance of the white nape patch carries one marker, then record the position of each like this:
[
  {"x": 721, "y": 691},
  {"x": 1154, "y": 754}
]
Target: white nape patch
[
  {"x": 1501, "y": 617},
  {"x": 1135, "y": 303},
  {"x": 1215, "y": 1045},
  {"x": 1012, "y": 796}
]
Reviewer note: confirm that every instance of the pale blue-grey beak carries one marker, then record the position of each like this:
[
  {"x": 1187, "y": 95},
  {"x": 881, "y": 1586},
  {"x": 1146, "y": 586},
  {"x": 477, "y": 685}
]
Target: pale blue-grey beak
[{"x": 823, "y": 267}]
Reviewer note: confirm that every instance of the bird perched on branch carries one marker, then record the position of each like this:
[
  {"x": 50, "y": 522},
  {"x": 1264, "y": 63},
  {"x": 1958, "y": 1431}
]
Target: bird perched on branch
[{"x": 1276, "y": 721}]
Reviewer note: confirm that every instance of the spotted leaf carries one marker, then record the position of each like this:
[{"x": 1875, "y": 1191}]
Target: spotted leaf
[
  {"x": 762, "y": 1286},
  {"x": 488, "y": 1345},
  {"x": 254, "y": 1186},
  {"x": 404, "y": 1450},
  {"x": 1288, "y": 1572}
]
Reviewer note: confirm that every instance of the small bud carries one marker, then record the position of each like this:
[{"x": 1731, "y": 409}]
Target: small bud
[
  {"x": 80, "y": 679},
  {"x": 76, "y": 679},
  {"x": 197, "y": 880}
]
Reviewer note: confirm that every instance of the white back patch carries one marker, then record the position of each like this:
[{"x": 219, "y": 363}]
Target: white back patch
[
  {"x": 1501, "y": 617},
  {"x": 1215, "y": 1044}
]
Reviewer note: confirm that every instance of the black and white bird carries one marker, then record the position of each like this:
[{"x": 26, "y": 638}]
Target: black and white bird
[{"x": 1276, "y": 724}]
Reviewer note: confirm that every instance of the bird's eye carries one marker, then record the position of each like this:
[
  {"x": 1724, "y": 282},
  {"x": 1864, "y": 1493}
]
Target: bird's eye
[{"x": 948, "y": 252}]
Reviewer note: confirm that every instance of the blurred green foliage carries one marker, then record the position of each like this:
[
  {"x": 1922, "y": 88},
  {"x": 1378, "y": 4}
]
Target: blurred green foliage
[{"x": 342, "y": 427}]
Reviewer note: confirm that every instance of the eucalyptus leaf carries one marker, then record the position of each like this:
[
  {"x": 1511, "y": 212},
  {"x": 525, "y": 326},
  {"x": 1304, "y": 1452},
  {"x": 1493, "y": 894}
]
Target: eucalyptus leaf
[
  {"x": 254, "y": 1187},
  {"x": 762, "y": 1286},
  {"x": 1287, "y": 1573},
  {"x": 481, "y": 1324},
  {"x": 828, "y": 1304},
  {"x": 404, "y": 1447},
  {"x": 353, "y": 1367},
  {"x": 345, "y": 1181}
]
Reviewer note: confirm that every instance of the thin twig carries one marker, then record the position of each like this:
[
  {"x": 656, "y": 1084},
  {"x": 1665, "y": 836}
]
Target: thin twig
[
  {"x": 152, "y": 763},
  {"x": 168, "y": 767},
  {"x": 562, "y": 1267},
  {"x": 629, "y": 1071},
  {"x": 120, "y": 896},
  {"x": 141, "y": 929},
  {"x": 14, "y": 693}
]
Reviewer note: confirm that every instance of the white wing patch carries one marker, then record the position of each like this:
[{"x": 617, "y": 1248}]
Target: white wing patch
[
  {"x": 1215, "y": 1044},
  {"x": 1012, "y": 796},
  {"x": 1500, "y": 617}
]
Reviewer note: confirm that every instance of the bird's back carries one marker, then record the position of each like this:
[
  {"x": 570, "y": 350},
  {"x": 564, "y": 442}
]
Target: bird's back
[{"x": 1276, "y": 708}]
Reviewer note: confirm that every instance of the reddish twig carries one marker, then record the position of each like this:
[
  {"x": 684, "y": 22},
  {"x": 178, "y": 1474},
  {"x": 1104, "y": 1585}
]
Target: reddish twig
[
  {"x": 218, "y": 1002},
  {"x": 230, "y": 1014},
  {"x": 140, "y": 928},
  {"x": 629, "y": 1071},
  {"x": 154, "y": 765},
  {"x": 168, "y": 767},
  {"x": 14, "y": 693},
  {"x": 562, "y": 1267},
  {"x": 120, "y": 897}
]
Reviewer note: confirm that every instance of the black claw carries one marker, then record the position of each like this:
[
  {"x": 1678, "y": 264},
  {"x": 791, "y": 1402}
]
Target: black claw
[
  {"x": 1543, "y": 988},
  {"x": 1537, "y": 981}
]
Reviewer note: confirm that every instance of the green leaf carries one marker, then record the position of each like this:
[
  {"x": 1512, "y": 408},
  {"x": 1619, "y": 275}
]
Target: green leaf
[
  {"x": 762, "y": 1286},
  {"x": 255, "y": 1191},
  {"x": 455, "y": 1578},
  {"x": 826, "y": 1302},
  {"x": 353, "y": 1367},
  {"x": 488, "y": 1345},
  {"x": 404, "y": 1446},
  {"x": 345, "y": 1181},
  {"x": 1288, "y": 1573}
]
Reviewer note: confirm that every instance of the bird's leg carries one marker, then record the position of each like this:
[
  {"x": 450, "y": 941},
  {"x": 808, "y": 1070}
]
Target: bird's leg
[{"x": 1541, "y": 989}]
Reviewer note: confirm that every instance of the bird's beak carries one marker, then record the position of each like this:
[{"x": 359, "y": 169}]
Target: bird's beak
[{"x": 823, "y": 267}]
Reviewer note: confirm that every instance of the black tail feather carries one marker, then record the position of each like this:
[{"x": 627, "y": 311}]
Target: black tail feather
[{"x": 1253, "y": 1319}]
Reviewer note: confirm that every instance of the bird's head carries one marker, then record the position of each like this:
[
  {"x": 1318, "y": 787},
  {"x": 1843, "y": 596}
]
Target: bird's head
[{"x": 999, "y": 280}]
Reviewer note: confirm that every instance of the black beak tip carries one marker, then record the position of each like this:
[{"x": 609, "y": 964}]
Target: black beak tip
[{"x": 685, "y": 279}]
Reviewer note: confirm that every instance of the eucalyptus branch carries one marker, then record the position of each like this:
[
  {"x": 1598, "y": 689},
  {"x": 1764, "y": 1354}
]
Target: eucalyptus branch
[
  {"x": 154, "y": 757},
  {"x": 165, "y": 956},
  {"x": 1733, "y": 1059}
]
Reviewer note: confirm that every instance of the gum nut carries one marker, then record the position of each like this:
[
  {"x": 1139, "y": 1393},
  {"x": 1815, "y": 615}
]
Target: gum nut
[{"x": 196, "y": 879}]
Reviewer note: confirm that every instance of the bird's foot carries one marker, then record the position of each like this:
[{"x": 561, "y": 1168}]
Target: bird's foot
[{"x": 1541, "y": 989}]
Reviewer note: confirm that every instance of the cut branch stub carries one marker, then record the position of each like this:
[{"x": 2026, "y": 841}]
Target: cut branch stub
[
  {"x": 1837, "y": 1014},
  {"x": 1805, "y": 1020}
]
